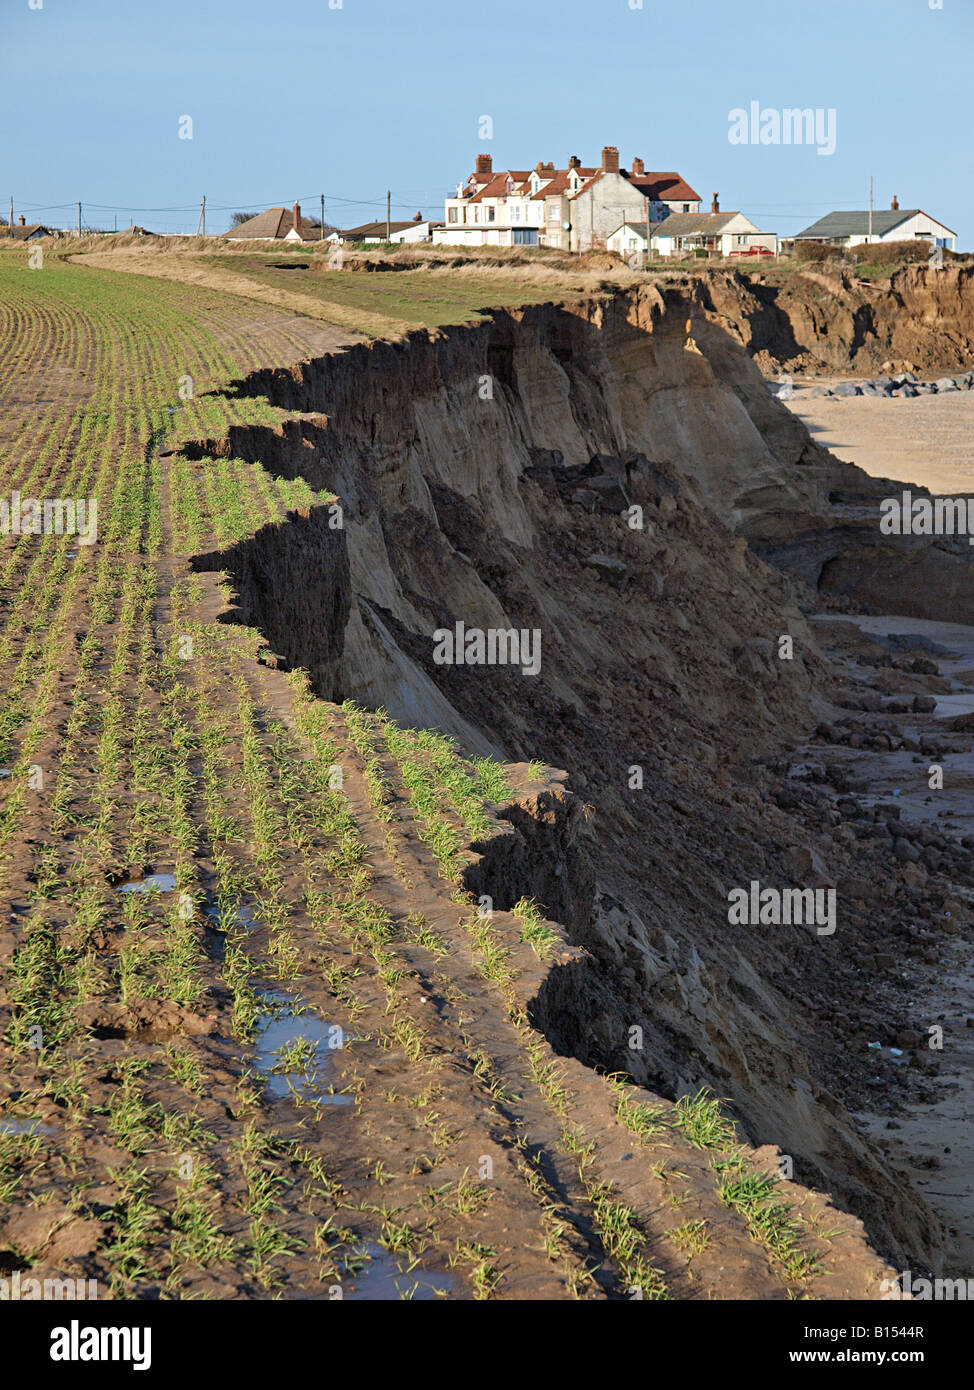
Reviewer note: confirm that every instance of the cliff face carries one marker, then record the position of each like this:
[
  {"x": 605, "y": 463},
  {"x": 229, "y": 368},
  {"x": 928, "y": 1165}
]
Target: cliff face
[
  {"x": 489, "y": 476},
  {"x": 829, "y": 320}
]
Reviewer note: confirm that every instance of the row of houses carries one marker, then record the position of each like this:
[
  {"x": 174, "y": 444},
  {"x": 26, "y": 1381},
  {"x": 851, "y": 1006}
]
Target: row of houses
[
  {"x": 577, "y": 208},
  {"x": 279, "y": 224},
  {"x": 634, "y": 212}
]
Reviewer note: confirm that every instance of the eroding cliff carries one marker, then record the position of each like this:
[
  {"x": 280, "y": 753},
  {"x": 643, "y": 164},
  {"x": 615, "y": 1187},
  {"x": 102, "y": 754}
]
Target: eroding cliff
[{"x": 604, "y": 475}]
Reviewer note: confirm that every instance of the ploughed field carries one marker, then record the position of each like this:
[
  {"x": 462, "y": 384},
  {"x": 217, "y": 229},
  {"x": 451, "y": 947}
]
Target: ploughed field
[{"x": 259, "y": 1038}]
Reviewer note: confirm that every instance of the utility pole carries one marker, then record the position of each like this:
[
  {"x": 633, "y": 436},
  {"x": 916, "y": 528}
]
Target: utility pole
[
  {"x": 870, "y": 207},
  {"x": 79, "y": 219},
  {"x": 11, "y": 222},
  {"x": 321, "y": 230},
  {"x": 388, "y": 215},
  {"x": 203, "y": 215}
]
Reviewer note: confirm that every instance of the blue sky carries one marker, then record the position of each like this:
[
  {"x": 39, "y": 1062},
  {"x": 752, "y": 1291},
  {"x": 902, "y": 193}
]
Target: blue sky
[{"x": 292, "y": 98}]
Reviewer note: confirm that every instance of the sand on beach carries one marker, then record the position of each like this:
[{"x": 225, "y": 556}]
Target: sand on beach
[{"x": 925, "y": 439}]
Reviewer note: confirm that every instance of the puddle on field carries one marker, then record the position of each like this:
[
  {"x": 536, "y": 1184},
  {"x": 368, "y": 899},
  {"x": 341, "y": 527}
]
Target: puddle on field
[
  {"x": 26, "y": 1127},
  {"x": 152, "y": 883},
  {"x": 219, "y": 923},
  {"x": 311, "y": 1045},
  {"x": 380, "y": 1279}
]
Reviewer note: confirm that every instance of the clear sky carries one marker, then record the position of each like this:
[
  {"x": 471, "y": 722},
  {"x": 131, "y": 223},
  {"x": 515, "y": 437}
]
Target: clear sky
[{"x": 292, "y": 98}]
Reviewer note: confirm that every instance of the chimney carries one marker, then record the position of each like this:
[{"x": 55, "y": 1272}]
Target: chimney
[
  {"x": 715, "y": 205},
  {"x": 485, "y": 164},
  {"x": 574, "y": 162},
  {"x": 638, "y": 168},
  {"x": 610, "y": 159},
  {"x": 895, "y": 204},
  {"x": 296, "y": 213},
  {"x": 23, "y": 221}
]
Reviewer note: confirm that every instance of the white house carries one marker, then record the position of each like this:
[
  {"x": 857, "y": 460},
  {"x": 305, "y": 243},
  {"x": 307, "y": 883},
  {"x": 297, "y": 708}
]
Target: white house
[
  {"x": 575, "y": 208},
  {"x": 896, "y": 224},
  {"x": 680, "y": 234}
]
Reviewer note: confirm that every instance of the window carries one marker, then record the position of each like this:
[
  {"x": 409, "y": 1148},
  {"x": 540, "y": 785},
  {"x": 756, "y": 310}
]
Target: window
[
  {"x": 525, "y": 236},
  {"x": 686, "y": 207},
  {"x": 453, "y": 215},
  {"x": 552, "y": 212},
  {"x": 491, "y": 214},
  {"x": 741, "y": 240}
]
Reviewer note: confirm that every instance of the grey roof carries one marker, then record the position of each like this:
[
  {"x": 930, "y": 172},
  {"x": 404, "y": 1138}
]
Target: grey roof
[
  {"x": 842, "y": 224},
  {"x": 686, "y": 224},
  {"x": 374, "y": 229}
]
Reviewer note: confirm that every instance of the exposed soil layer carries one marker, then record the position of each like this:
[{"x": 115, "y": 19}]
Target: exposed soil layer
[
  {"x": 488, "y": 476},
  {"x": 830, "y": 320}
]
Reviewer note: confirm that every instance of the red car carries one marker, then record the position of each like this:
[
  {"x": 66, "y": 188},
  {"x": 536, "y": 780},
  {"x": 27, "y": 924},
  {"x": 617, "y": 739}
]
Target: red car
[{"x": 754, "y": 251}]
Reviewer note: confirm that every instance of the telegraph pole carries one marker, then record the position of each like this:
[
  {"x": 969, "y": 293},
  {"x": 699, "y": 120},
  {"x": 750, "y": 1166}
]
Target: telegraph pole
[
  {"x": 79, "y": 219},
  {"x": 870, "y": 207},
  {"x": 11, "y": 223},
  {"x": 203, "y": 215},
  {"x": 388, "y": 215},
  {"x": 321, "y": 230}
]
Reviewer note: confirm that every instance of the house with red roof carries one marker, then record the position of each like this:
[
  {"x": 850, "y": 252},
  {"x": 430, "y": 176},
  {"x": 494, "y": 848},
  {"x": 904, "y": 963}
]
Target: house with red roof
[{"x": 575, "y": 208}]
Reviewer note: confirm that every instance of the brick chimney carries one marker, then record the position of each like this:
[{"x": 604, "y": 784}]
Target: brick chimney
[
  {"x": 485, "y": 164},
  {"x": 574, "y": 162},
  {"x": 895, "y": 204},
  {"x": 610, "y": 159},
  {"x": 296, "y": 214},
  {"x": 23, "y": 221},
  {"x": 638, "y": 168},
  {"x": 715, "y": 205}
]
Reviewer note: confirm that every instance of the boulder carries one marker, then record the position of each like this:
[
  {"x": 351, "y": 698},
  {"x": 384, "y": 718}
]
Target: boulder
[{"x": 613, "y": 571}]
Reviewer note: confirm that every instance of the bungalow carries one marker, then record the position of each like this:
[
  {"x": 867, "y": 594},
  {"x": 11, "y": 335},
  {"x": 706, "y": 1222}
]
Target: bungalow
[
  {"x": 896, "y": 224},
  {"x": 715, "y": 233},
  {"x": 276, "y": 224},
  {"x": 27, "y": 231},
  {"x": 418, "y": 229}
]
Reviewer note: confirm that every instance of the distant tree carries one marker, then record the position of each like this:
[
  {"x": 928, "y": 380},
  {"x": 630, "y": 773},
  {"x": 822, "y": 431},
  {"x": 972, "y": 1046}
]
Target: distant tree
[{"x": 238, "y": 217}]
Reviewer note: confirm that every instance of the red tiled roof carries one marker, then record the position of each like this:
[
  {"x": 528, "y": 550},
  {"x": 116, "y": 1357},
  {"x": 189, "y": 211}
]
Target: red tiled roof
[
  {"x": 663, "y": 188},
  {"x": 497, "y": 188},
  {"x": 558, "y": 184}
]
